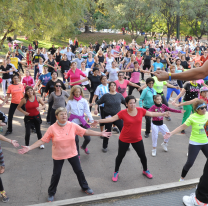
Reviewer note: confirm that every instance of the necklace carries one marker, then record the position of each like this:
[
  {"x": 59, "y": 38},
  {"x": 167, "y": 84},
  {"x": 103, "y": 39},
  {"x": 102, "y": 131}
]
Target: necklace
[{"x": 195, "y": 85}]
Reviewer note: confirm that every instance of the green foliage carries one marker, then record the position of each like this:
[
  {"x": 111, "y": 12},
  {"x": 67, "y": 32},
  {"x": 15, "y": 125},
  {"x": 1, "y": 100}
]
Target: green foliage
[{"x": 101, "y": 21}]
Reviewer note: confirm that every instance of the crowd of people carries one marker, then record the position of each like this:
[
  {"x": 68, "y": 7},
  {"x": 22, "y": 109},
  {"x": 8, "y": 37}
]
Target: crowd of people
[{"x": 107, "y": 71}]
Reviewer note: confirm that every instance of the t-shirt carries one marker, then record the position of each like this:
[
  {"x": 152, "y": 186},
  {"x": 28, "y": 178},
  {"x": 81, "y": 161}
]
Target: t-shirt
[
  {"x": 16, "y": 90},
  {"x": 5, "y": 75},
  {"x": 132, "y": 125},
  {"x": 65, "y": 65},
  {"x": 113, "y": 74},
  {"x": 14, "y": 60},
  {"x": 75, "y": 76},
  {"x": 157, "y": 65},
  {"x": 191, "y": 91},
  {"x": 63, "y": 139},
  {"x": 50, "y": 86},
  {"x": 198, "y": 133},
  {"x": 45, "y": 78},
  {"x": 95, "y": 82},
  {"x": 158, "y": 85},
  {"x": 121, "y": 88},
  {"x": 100, "y": 91}
]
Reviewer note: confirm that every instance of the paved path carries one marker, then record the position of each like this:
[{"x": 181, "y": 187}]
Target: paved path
[{"x": 27, "y": 177}]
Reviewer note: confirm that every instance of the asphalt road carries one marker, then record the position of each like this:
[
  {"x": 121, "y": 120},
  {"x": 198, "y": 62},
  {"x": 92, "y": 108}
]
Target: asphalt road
[{"x": 27, "y": 177}]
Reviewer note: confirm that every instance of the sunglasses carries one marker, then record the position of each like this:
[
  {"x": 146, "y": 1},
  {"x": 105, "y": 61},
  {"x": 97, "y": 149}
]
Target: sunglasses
[
  {"x": 58, "y": 85},
  {"x": 201, "y": 108}
]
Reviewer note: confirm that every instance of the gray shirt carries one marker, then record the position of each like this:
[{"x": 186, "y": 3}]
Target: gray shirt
[
  {"x": 112, "y": 103},
  {"x": 78, "y": 61},
  {"x": 58, "y": 101}
]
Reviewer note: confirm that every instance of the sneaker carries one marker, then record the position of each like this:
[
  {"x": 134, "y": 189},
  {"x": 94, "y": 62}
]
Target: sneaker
[
  {"x": 154, "y": 151},
  {"x": 147, "y": 174},
  {"x": 104, "y": 150},
  {"x": 7, "y": 133},
  {"x": 89, "y": 191},
  {"x": 50, "y": 198},
  {"x": 171, "y": 99},
  {"x": 64, "y": 82},
  {"x": 34, "y": 130},
  {"x": 85, "y": 150},
  {"x": 192, "y": 200},
  {"x": 180, "y": 107},
  {"x": 42, "y": 146},
  {"x": 165, "y": 146},
  {"x": 115, "y": 129},
  {"x": 146, "y": 135},
  {"x": 4, "y": 196},
  {"x": 115, "y": 177},
  {"x": 183, "y": 132},
  {"x": 168, "y": 118},
  {"x": 181, "y": 180},
  {"x": 98, "y": 114}
]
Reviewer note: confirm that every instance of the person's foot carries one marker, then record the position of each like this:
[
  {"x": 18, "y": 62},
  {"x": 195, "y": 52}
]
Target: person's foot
[
  {"x": 50, "y": 198},
  {"x": 98, "y": 114},
  {"x": 89, "y": 191},
  {"x": 181, "y": 180},
  {"x": 168, "y": 118},
  {"x": 42, "y": 146},
  {"x": 85, "y": 150},
  {"x": 115, "y": 177},
  {"x": 7, "y": 133},
  {"x": 180, "y": 107},
  {"x": 165, "y": 146},
  {"x": 183, "y": 132},
  {"x": 171, "y": 99},
  {"x": 4, "y": 196},
  {"x": 192, "y": 201},
  {"x": 154, "y": 151},
  {"x": 2, "y": 169},
  {"x": 101, "y": 137},
  {"x": 104, "y": 150},
  {"x": 147, "y": 174},
  {"x": 115, "y": 129},
  {"x": 146, "y": 135}
]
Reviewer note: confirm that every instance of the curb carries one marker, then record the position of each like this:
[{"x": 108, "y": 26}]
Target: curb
[{"x": 122, "y": 193}]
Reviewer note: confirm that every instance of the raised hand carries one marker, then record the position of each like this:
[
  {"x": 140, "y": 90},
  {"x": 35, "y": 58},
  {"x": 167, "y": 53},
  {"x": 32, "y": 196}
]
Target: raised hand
[
  {"x": 94, "y": 124},
  {"x": 15, "y": 143},
  {"x": 24, "y": 150},
  {"x": 167, "y": 135},
  {"x": 106, "y": 134}
]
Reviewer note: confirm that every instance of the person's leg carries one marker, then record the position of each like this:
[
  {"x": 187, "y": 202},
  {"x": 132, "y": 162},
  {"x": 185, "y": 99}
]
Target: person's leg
[
  {"x": 155, "y": 130},
  {"x": 169, "y": 91},
  {"x": 119, "y": 124},
  {"x": 35, "y": 71},
  {"x": 4, "y": 86},
  {"x": 75, "y": 163},
  {"x": 122, "y": 149},
  {"x": 105, "y": 139},
  {"x": 48, "y": 118},
  {"x": 86, "y": 139},
  {"x": 57, "y": 167},
  {"x": 27, "y": 132},
  {"x": 131, "y": 88},
  {"x": 90, "y": 100},
  {"x": 12, "y": 109},
  {"x": 148, "y": 123},
  {"x": 1, "y": 185},
  {"x": 1, "y": 157},
  {"x": 188, "y": 109},
  {"x": 77, "y": 143},
  {"x": 102, "y": 117},
  {"x": 42, "y": 91},
  {"x": 139, "y": 148},
  {"x": 53, "y": 116},
  {"x": 177, "y": 91},
  {"x": 164, "y": 129},
  {"x": 38, "y": 131},
  {"x": 164, "y": 101},
  {"x": 88, "y": 87},
  {"x": 193, "y": 151}
]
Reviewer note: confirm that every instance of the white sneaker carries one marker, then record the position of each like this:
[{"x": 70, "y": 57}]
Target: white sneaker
[
  {"x": 165, "y": 146},
  {"x": 154, "y": 151},
  {"x": 192, "y": 201},
  {"x": 42, "y": 146},
  {"x": 181, "y": 180},
  {"x": 171, "y": 99}
]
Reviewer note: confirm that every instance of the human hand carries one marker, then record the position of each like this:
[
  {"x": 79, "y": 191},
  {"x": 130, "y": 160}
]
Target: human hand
[
  {"x": 177, "y": 87},
  {"x": 94, "y": 124},
  {"x": 27, "y": 114},
  {"x": 14, "y": 143},
  {"x": 106, "y": 134},
  {"x": 161, "y": 75},
  {"x": 95, "y": 112},
  {"x": 166, "y": 114},
  {"x": 24, "y": 150},
  {"x": 173, "y": 102},
  {"x": 167, "y": 135},
  {"x": 183, "y": 111}
]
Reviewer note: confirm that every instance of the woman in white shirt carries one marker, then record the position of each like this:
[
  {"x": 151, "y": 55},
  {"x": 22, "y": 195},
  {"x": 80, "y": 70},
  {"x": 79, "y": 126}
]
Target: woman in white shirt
[
  {"x": 86, "y": 72},
  {"x": 109, "y": 59},
  {"x": 113, "y": 72},
  {"x": 77, "y": 106}
]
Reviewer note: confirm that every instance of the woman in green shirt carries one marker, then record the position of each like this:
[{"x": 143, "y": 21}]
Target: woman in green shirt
[{"x": 198, "y": 139}]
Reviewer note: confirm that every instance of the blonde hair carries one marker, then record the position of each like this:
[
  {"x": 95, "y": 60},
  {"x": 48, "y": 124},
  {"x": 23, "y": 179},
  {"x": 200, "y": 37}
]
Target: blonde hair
[
  {"x": 60, "y": 109},
  {"x": 71, "y": 97}
]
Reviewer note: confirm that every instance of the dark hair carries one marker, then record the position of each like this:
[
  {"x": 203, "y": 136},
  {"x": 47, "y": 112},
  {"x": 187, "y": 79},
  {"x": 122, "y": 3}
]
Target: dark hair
[
  {"x": 95, "y": 69},
  {"x": 156, "y": 96},
  {"x": 54, "y": 72},
  {"x": 26, "y": 89},
  {"x": 128, "y": 98},
  {"x": 102, "y": 76},
  {"x": 110, "y": 84},
  {"x": 178, "y": 60},
  {"x": 158, "y": 58},
  {"x": 136, "y": 62},
  {"x": 120, "y": 73},
  {"x": 15, "y": 75},
  {"x": 58, "y": 81},
  {"x": 150, "y": 79}
]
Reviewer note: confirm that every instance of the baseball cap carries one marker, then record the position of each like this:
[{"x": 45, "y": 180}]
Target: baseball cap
[{"x": 204, "y": 89}]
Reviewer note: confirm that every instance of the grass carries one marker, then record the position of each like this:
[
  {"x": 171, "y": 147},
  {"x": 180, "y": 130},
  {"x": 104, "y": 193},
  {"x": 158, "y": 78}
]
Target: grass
[{"x": 84, "y": 39}]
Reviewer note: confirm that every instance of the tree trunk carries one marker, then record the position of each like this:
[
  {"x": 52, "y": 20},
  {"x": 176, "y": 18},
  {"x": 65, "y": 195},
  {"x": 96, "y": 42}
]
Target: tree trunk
[
  {"x": 168, "y": 37},
  {"x": 4, "y": 37},
  {"x": 15, "y": 37},
  {"x": 87, "y": 29}
]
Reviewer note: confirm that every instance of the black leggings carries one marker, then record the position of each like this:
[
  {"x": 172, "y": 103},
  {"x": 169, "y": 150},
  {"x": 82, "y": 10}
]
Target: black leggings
[
  {"x": 52, "y": 116},
  {"x": 28, "y": 125},
  {"x": 131, "y": 89},
  {"x": 57, "y": 167},
  {"x": 1, "y": 185},
  {"x": 86, "y": 140},
  {"x": 48, "y": 118},
  {"x": 148, "y": 123},
  {"x": 122, "y": 149},
  {"x": 193, "y": 151}
]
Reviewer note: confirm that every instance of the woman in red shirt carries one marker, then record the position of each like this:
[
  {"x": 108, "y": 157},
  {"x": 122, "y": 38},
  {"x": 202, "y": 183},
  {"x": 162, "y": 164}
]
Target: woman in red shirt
[
  {"x": 131, "y": 133},
  {"x": 32, "y": 113}
]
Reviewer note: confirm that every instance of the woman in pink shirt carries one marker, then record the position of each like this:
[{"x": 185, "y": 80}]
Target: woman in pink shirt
[
  {"x": 74, "y": 74},
  {"x": 28, "y": 80},
  {"x": 62, "y": 133}
]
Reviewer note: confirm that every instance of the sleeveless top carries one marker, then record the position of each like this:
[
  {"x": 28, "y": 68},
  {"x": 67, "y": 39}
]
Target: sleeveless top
[
  {"x": 135, "y": 76},
  {"x": 101, "y": 58},
  {"x": 52, "y": 63},
  {"x": 89, "y": 64},
  {"x": 31, "y": 107},
  {"x": 139, "y": 61}
]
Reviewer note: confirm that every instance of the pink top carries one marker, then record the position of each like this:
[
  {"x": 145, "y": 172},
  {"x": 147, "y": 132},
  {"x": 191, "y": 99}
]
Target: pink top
[
  {"x": 139, "y": 61},
  {"x": 121, "y": 88},
  {"x": 118, "y": 48},
  {"x": 29, "y": 81},
  {"x": 30, "y": 47},
  {"x": 63, "y": 139},
  {"x": 9, "y": 44},
  {"x": 135, "y": 76},
  {"x": 75, "y": 76}
]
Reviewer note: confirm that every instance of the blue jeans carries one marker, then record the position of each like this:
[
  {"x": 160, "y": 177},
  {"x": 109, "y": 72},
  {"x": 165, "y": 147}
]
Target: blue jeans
[{"x": 170, "y": 90}]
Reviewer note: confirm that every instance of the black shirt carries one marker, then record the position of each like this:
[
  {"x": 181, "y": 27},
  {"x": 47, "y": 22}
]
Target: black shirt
[
  {"x": 191, "y": 91},
  {"x": 72, "y": 48},
  {"x": 50, "y": 86},
  {"x": 65, "y": 65},
  {"x": 52, "y": 50},
  {"x": 95, "y": 81},
  {"x": 151, "y": 51},
  {"x": 52, "y": 63},
  {"x": 101, "y": 59},
  {"x": 5, "y": 75},
  {"x": 58, "y": 57},
  {"x": 184, "y": 64},
  {"x": 147, "y": 60}
]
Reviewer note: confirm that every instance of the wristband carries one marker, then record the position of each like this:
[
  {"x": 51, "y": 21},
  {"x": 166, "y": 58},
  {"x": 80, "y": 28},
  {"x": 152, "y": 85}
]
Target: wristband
[{"x": 169, "y": 76}]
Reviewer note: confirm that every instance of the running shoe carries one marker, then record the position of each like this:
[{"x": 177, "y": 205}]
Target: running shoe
[
  {"x": 85, "y": 150},
  {"x": 115, "y": 129},
  {"x": 4, "y": 196},
  {"x": 104, "y": 150},
  {"x": 165, "y": 146},
  {"x": 89, "y": 191},
  {"x": 50, "y": 198},
  {"x": 115, "y": 177},
  {"x": 147, "y": 174},
  {"x": 183, "y": 132},
  {"x": 181, "y": 180},
  {"x": 168, "y": 118},
  {"x": 146, "y": 135},
  {"x": 7, "y": 133},
  {"x": 192, "y": 201},
  {"x": 154, "y": 151},
  {"x": 42, "y": 146}
]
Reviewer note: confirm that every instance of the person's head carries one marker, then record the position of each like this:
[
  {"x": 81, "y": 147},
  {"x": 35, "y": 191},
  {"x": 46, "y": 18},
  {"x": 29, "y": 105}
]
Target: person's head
[
  {"x": 150, "y": 82},
  {"x": 128, "y": 54},
  {"x": 90, "y": 55},
  {"x": 61, "y": 115},
  {"x": 139, "y": 54},
  {"x": 204, "y": 91},
  {"x": 45, "y": 70},
  {"x": 172, "y": 68},
  {"x": 29, "y": 92},
  {"x": 27, "y": 73},
  {"x": 158, "y": 59},
  {"x": 133, "y": 58},
  {"x": 13, "y": 54},
  {"x": 95, "y": 71},
  {"x": 112, "y": 86},
  {"x": 83, "y": 64},
  {"x": 76, "y": 91},
  {"x": 38, "y": 51},
  {"x": 120, "y": 75},
  {"x": 109, "y": 54},
  {"x": 50, "y": 56},
  {"x": 136, "y": 64},
  {"x": 197, "y": 64},
  {"x": 54, "y": 74},
  {"x": 15, "y": 79},
  {"x": 178, "y": 62},
  {"x": 183, "y": 57},
  {"x": 74, "y": 65},
  {"x": 103, "y": 79},
  {"x": 200, "y": 106},
  {"x": 113, "y": 64},
  {"x": 64, "y": 57},
  {"x": 130, "y": 102},
  {"x": 157, "y": 99},
  {"x": 57, "y": 86}
]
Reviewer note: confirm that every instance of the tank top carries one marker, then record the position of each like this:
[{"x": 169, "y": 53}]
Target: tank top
[
  {"x": 101, "y": 58},
  {"x": 89, "y": 64},
  {"x": 187, "y": 58},
  {"x": 139, "y": 60},
  {"x": 131, "y": 65},
  {"x": 52, "y": 63},
  {"x": 31, "y": 107},
  {"x": 135, "y": 76},
  {"x": 58, "y": 57}
]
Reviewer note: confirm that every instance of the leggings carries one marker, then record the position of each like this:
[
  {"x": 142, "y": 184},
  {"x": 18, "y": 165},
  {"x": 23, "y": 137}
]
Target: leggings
[
  {"x": 1, "y": 158},
  {"x": 48, "y": 118},
  {"x": 145, "y": 67},
  {"x": 52, "y": 116},
  {"x": 28, "y": 125},
  {"x": 170, "y": 90},
  {"x": 122, "y": 149},
  {"x": 193, "y": 151},
  {"x": 131, "y": 89},
  {"x": 188, "y": 109},
  {"x": 1, "y": 185},
  {"x": 86, "y": 140},
  {"x": 148, "y": 123},
  {"x": 57, "y": 167}
]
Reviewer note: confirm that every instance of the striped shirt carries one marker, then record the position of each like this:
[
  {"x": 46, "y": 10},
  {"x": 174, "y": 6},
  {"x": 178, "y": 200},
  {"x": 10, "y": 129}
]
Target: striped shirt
[{"x": 100, "y": 91}]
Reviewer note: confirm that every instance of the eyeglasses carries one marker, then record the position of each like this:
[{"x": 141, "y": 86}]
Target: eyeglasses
[
  {"x": 201, "y": 108},
  {"x": 58, "y": 85}
]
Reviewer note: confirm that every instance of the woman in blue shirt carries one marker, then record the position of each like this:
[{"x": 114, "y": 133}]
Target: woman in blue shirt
[{"x": 157, "y": 64}]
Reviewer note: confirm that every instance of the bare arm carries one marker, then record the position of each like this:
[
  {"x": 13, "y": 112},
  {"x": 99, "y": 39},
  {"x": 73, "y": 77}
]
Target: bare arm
[
  {"x": 156, "y": 114},
  {"x": 178, "y": 129},
  {"x": 108, "y": 120},
  {"x": 23, "y": 101},
  {"x": 180, "y": 95},
  {"x": 82, "y": 80}
]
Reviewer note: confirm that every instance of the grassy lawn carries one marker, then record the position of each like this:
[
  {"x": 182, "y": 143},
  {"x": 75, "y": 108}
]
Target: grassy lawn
[{"x": 84, "y": 39}]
